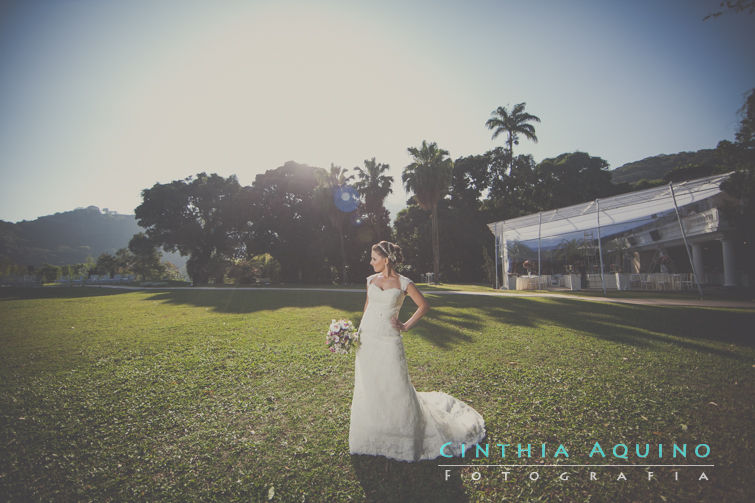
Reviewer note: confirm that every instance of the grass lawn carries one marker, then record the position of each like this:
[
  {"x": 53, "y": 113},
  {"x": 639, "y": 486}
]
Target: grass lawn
[
  {"x": 709, "y": 293},
  {"x": 109, "y": 395}
]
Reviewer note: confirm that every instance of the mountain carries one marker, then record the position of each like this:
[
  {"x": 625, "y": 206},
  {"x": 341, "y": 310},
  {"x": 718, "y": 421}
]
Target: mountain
[
  {"x": 656, "y": 167},
  {"x": 70, "y": 237}
]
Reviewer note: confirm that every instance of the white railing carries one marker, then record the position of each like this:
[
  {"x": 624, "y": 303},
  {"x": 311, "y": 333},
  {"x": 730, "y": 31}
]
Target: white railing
[{"x": 613, "y": 281}]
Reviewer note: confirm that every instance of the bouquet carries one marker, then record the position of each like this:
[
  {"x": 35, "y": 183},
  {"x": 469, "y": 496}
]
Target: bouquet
[{"x": 342, "y": 337}]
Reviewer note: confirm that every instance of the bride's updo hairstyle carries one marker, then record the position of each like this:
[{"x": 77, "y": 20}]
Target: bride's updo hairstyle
[{"x": 389, "y": 250}]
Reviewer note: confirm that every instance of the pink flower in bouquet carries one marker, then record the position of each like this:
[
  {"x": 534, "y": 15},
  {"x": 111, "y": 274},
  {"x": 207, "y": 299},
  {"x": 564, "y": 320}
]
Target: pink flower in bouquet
[{"x": 341, "y": 337}]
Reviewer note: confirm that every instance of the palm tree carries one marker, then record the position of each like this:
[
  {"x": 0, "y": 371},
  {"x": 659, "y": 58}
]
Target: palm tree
[
  {"x": 429, "y": 178},
  {"x": 513, "y": 125},
  {"x": 374, "y": 187},
  {"x": 329, "y": 183}
]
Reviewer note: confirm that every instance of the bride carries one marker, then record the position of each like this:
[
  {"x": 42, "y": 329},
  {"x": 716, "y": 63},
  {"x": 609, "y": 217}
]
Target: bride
[{"x": 388, "y": 416}]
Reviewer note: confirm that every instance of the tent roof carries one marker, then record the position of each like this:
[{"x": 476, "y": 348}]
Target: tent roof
[{"x": 617, "y": 213}]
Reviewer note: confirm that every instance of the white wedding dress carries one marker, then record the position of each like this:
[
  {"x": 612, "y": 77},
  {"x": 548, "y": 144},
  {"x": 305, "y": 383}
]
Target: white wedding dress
[{"x": 388, "y": 416}]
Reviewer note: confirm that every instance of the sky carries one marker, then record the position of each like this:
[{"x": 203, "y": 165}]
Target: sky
[{"x": 101, "y": 99}]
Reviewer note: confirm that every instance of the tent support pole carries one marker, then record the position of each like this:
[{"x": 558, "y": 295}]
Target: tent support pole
[
  {"x": 684, "y": 237},
  {"x": 495, "y": 255},
  {"x": 504, "y": 260},
  {"x": 600, "y": 250},
  {"x": 539, "y": 226}
]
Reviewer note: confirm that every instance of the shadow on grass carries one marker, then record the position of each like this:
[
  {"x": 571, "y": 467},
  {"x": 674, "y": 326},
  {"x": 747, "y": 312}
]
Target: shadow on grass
[
  {"x": 441, "y": 335},
  {"x": 250, "y": 301},
  {"x": 640, "y": 326},
  {"x": 439, "y": 328},
  {"x": 387, "y": 480},
  {"x": 457, "y": 317},
  {"x": 57, "y": 292}
]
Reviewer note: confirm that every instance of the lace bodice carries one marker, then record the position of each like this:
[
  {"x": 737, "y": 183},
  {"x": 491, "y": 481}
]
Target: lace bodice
[
  {"x": 384, "y": 304},
  {"x": 391, "y": 298}
]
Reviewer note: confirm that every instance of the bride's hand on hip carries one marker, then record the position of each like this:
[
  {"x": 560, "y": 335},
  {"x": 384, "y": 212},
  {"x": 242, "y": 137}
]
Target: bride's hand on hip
[{"x": 398, "y": 325}]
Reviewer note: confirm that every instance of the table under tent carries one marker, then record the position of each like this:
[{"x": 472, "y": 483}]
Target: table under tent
[{"x": 670, "y": 237}]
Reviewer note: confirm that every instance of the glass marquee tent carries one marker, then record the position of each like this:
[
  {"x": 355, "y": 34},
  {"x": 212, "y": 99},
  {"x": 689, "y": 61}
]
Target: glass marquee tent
[{"x": 608, "y": 235}]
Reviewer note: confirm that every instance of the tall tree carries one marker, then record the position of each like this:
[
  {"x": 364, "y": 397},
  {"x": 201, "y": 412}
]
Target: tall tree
[
  {"x": 512, "y": 186},
  {"x": 429, "y": 178},
  {"x": 513, "y": 124},
  {"x": 106, "y": 264},
  {"x": 331, "y": 185},
  {"x": 374, "y": 187},
  {"x": 413, "y": 228},
  {"x": 287, "y": 222},
  {"x": 746, "y": 133},
  {"x": 146, "y": 257},
  {"x": 125, "y": 260},
  {"x": 571, "y": 178},
  {"x": 465, "y": 230},
  {"x": 740, "y": 155},
  {"x": 198, "y": 217},
  {"x": 471, "y": 176}
]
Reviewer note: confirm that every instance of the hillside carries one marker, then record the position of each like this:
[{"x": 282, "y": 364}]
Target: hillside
[
  {"x": 70, "y": 237},
  {"x": 658, "y": 166}
]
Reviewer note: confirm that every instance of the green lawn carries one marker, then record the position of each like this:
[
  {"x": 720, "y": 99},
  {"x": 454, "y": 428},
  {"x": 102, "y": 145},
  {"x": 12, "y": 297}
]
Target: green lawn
[{"x": 230, "y": 395}]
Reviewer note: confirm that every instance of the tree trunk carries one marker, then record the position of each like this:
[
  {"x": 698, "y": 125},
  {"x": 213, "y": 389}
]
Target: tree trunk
[
  {"x": 344, "y": 279},
  {"x": 373, "y": 226},
  {"x": 198, "y": 267},
  {"x": 436, "y": 244}
]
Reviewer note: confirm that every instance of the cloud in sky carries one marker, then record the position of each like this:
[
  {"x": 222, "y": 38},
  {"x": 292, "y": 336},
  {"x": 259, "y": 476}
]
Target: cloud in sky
[{"x": 99, "y": 100}]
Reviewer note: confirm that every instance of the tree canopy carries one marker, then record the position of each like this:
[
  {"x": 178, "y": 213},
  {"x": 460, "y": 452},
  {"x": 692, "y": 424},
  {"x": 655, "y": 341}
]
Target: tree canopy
[
  {"x": 514, "y": 123},
  {"x": 198, "y": 216}
]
